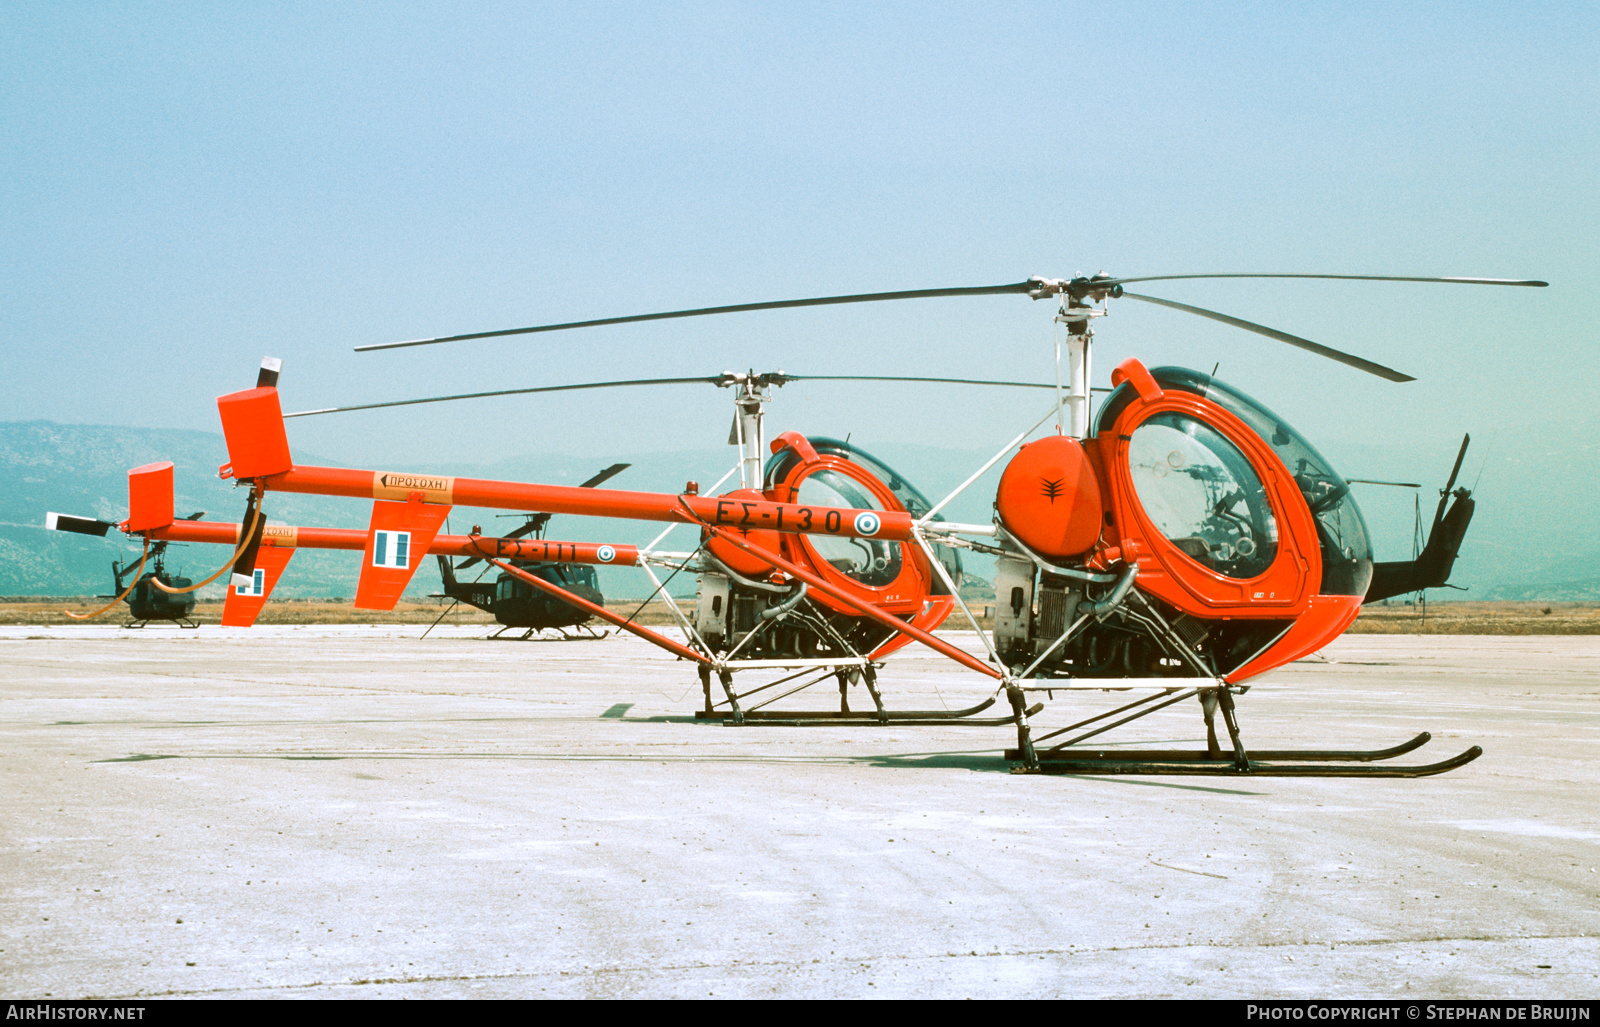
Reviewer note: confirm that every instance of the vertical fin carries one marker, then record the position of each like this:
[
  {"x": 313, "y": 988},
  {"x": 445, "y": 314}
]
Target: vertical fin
[
  {"x": 397, "y": 540},
  {"x": 243, "y": 604}
]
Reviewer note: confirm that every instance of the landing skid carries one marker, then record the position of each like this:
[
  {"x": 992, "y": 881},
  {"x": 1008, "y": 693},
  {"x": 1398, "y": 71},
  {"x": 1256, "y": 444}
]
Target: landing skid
[
  {"x": 186, "y": 624},
  {"x": 1261, "y": 762},
  {"x": 1069, "y": 757},
  {"x": 579, "y": 633},
  {"x": 821, "y": 718}
]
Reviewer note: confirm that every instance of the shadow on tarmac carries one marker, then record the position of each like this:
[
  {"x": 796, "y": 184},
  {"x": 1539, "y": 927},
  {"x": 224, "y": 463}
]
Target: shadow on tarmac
[{"x": 979, "y": 761}]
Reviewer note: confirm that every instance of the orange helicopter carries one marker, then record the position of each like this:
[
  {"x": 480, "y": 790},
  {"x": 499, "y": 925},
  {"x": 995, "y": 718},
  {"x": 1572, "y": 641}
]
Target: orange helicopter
[{"x": 1182, "y": 539}]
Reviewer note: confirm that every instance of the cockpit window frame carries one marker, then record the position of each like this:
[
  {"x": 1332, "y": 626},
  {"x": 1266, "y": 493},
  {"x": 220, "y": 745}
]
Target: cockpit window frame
[
  {"x": 1344, "y": 539},
  {"x": 1172, "y": 574}
]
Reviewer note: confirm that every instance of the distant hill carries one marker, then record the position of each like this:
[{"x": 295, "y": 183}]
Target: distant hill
[
  {"x": 82, "y": 469},
  {"x": 1584, "y": 590}
]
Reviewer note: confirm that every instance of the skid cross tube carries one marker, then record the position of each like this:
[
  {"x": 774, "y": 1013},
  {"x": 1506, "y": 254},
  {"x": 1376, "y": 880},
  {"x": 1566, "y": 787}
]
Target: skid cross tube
[
  {"x": 600, "y": 611},
  {"x": 1118, "y": 723},
  {"x": 1102, "y": 716},
  {"x": 867, "y": 609},
  {"x": 889, "y": 716}
]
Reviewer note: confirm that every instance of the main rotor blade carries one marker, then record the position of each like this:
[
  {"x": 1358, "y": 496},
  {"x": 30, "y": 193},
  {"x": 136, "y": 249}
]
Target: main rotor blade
[
  {"x": 1032, "y": 286},
  {"x": 1396, "y": 484},
  {"x": 820, "y": 301},
  {"x": 1347, "y": 278},
  {"x": 605, "y": 475},
  {"x": 900, "y": 378},
  {"x": 778, "y": 379},
  {"x": 507, "y": 392},
  {"x": 533, "y": 524},
  {"x": 1272, "y": 333}
]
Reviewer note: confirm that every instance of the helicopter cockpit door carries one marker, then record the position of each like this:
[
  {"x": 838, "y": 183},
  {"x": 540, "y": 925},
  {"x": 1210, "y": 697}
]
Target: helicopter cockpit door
[{"x": 1217, "y": 523}]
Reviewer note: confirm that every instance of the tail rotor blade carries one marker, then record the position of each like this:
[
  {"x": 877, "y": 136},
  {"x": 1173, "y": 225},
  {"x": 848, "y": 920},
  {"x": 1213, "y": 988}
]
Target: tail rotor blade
[
  {"x": 1444, "y": 496},
  {"x": 267, "y": 377},
  {"x": 1272, "y": 333},
  {"x": 77, "y": 525},
  {"x": 1460, "y": 456},
  {"x": 244, "y": 567}
]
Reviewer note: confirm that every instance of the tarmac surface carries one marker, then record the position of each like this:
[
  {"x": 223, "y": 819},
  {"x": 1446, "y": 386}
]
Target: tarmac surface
[{"x": 350, "y": 811}]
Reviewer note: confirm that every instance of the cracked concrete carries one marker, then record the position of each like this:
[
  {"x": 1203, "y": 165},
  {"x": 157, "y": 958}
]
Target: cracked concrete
[{"x": 299, "y": 812}]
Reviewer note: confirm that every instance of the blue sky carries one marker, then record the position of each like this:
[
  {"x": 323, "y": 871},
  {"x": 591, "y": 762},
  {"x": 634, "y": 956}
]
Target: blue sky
[{"x": 187, "y": 188}]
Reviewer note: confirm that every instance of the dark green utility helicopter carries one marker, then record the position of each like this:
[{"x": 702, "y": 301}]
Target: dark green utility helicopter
[
  {"x": 145, "y": 601},
  {"x": 516, "y": 604}
]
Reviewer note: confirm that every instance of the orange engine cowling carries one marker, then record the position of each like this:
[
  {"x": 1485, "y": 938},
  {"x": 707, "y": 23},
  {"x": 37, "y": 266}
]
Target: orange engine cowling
[{"x": 1049, "y": 498}]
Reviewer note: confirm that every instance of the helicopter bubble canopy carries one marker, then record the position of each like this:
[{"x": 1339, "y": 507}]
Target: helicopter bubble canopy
[
  {"x": 915, "y": 503},
  {"x": 1345, "y": 543}
]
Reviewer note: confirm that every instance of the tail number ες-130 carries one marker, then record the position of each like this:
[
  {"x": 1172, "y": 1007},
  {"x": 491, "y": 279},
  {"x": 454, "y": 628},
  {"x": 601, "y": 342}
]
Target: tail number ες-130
[{"x": 804, "y": 519}]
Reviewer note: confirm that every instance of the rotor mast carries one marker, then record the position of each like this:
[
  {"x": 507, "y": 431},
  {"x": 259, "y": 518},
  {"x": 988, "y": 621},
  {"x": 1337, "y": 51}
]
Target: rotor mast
[
  {"x": 1082, "y": 300},
  {"x": 749, "y": 399}
]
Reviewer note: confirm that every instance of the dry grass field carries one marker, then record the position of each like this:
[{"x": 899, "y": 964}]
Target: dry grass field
[
  {"x": 1480, "y": 618},
  {"x": 1439, "y": 618}
]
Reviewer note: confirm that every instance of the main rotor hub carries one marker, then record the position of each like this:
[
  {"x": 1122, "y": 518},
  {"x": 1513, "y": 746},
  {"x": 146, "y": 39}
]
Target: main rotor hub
[
  {"x": 750, "y": 382},
  {"x": 1095, "y": 288}
]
